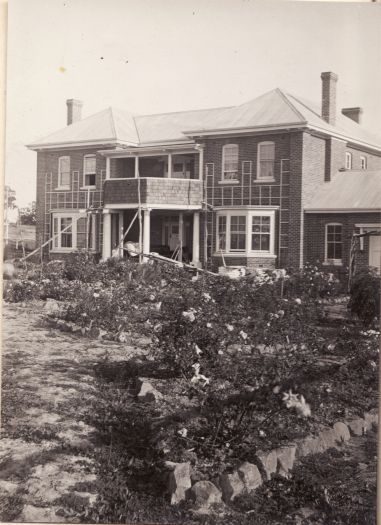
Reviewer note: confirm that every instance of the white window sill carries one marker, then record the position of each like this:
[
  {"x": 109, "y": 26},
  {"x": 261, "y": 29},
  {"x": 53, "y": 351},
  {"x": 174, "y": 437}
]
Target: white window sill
[
  {"x": 62, "y": 188},
  {"x": 234, "y": 181},
  {"x": 63, "y": 250},
  {"x": 258, "y": 181},
  {"x": 88, "y": 188},
  {"x": 333, "y": 262},
  {"x": 263, "y": 255}
]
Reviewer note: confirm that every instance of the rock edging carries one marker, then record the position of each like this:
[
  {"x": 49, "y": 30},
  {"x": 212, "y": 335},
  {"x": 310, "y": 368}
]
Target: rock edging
[{"x": 249, "y": 476}]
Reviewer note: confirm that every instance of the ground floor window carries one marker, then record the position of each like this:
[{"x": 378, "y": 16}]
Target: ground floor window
[
  {"x": 67, "y": 229},
  {"x": 334, "y": 243},
  {"x": 249, "y": 232}
]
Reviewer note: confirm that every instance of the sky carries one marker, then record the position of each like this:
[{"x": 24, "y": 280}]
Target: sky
[{"x": 155, "y": 56}]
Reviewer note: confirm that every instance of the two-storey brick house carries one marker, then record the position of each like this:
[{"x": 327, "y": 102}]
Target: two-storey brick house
[{"x": 246, "y": 185}]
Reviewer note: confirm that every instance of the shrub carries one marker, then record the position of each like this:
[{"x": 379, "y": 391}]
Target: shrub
[{"x": 365, "y": 296}]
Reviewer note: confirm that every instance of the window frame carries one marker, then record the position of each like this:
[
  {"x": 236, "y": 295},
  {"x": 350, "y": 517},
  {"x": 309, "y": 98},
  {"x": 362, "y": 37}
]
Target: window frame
[
  {"x": 363, "y": 162},
  {"x": 248, "y": 214},
  {"x": 60, "y": 185},
  {"x": 223, "y": 171},
  {"x": 333, "y": 261},
  {"x": 348, "y": 160},
  {"x": 89, "y": 186},
  {"x": 258, "y": 174},
  {"x": 65, "y": 215}
]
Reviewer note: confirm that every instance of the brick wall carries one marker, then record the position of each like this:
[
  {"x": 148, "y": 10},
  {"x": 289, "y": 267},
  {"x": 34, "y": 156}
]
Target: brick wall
[
  {"x": 314, "y": 239},
  {"x": 47, "y": 162},
  {"x": 155, "y": 191},
  {"x": 373, "y": 161}
]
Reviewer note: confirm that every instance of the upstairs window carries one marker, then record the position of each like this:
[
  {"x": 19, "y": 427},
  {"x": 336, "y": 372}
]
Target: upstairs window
[
  {"x": 89, "y": 171},
  {"x": 266, "y": 161},
  {"x": 348, "y": 161},
  {"x": 64, "y": 172},
  {"x": 363, "y": 163},
  {"x": 334, "y": 243},
  {"x": 230, "y": 162}
]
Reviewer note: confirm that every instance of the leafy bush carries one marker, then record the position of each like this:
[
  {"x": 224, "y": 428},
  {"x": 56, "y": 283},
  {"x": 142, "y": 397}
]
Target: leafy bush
[{"x": 365, "y": 296}]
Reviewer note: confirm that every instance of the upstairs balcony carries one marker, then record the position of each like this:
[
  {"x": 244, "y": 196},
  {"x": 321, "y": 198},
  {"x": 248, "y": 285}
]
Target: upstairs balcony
[
  {"x": 157, "y": 192},
  {"x": 164, "y": 181}
]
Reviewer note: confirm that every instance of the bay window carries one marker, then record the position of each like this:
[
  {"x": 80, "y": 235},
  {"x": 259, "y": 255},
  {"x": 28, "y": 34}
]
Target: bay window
[
  {"x": 246, "y": 231},
  {"x": 237, "y": 233},
  {"x": 260, "y": 233}
]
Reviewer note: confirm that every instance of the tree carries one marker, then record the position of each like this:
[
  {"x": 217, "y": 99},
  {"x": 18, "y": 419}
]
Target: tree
[
  {"x": 28, "y": 214},
  {"x": 9, "y": 198}
]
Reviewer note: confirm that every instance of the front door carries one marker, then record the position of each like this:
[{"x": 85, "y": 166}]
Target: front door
[
  {"x": 171, "y": 236},
  {"x": 375, "y": 251}
]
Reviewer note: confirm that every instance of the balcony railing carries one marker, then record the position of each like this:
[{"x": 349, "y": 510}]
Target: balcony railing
[{"x": 159, "y": 191}]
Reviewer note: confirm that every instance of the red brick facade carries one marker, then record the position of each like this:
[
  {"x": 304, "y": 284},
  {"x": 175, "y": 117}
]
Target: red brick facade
[{"x": 303, "y": 162}]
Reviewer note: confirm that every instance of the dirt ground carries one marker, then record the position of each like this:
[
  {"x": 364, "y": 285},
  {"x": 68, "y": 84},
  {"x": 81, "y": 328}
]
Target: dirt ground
[
  {"x": 48, "y": 466},
  {"x": 47, "y": 469}
]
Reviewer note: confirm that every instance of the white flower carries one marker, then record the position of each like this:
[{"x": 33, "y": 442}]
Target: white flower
[
  {"x": 152, "y": 297},
  {"x": 230, "y": 327},
  {"x": 220, "y": 352},
  {"x": 189, "y": 315},
  {"x": 298, "y": 301},
  {"x": 197, "y": 376},
  {"x": 298, "y": 402},
  {"x": 262, "y": 433},
  {"x": 198, "y": 349},
  {"x": 207, "y": 296},
  {"x": 95, "y": 295},
  {"x": 243, "y": 335},
  {"x": 331, "y": 347},
  {"x": 183, "y": 432},
  {"x": 280, "y": 313},
  {"x": 209, "y": 325}
]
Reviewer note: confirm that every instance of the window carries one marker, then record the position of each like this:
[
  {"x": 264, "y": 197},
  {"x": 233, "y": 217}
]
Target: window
[
  {"x": 246, "y": 231},
  {"x": 266, "y": 159},
  {"x": 64, "y": 172},
  {"x": 64, "y": 239},
  {"x": 89, "y": 171},
  {"x": 230, "y": 162},
  {"x": 237, "y": 233},
  {"x": 334, "y": 243},
  {"x": 260, "y": 236},
  {"x": 363, "y": 163},
  {"x": 221, "y": 233},
  {"x": 348, "y": 161}
]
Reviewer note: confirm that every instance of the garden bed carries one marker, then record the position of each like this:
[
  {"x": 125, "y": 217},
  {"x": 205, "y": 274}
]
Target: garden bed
[{"x": 231, "y": 367}]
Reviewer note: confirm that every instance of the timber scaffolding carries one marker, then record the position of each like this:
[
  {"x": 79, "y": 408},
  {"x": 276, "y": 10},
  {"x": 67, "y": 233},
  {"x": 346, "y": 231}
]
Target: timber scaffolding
[{"x": 244, "y": 193}]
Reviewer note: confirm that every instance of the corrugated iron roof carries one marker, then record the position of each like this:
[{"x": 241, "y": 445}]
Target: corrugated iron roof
[
  {"x": 273, "y": 109},
  {"x": 347, "y": 190}
]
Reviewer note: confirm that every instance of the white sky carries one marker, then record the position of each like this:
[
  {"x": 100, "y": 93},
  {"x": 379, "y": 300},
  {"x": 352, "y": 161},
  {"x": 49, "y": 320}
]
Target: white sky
[{"x": 153, "y": 56}]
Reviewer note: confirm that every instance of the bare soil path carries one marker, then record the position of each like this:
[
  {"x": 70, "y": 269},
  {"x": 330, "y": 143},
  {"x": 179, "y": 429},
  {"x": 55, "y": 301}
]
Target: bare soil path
[{"x": 47, "y": 468}]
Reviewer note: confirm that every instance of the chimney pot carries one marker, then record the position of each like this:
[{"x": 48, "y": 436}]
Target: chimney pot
[
  {"x": 353, "y": 113},
  {"x": 328, "y": 99},
  {"x": 74, "y": 110}
]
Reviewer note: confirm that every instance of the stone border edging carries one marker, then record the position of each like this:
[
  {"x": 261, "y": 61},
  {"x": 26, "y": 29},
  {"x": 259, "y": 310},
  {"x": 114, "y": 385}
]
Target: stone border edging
[{"x": 249, "y": 476}]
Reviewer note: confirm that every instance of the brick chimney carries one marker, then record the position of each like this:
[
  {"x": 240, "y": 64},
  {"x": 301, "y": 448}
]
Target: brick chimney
[
  {"x": 74, "y": 110},
  {"x": 328, "y": 99},
  {"x": 353, "y": 113}
]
